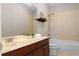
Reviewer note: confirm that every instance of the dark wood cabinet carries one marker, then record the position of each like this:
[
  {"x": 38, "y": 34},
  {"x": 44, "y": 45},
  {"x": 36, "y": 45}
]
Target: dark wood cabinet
[
  {"x": 40, "y": 48},
  {"x": 43, "y": 51}
]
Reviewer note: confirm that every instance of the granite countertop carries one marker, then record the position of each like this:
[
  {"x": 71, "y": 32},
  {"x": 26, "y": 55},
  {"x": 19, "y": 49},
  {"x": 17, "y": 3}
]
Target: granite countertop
[{"x": 19, "y": 41}]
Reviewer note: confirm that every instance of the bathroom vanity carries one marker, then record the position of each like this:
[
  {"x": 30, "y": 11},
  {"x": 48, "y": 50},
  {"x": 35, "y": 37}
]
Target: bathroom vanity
[{"x": 24, "y": 46}]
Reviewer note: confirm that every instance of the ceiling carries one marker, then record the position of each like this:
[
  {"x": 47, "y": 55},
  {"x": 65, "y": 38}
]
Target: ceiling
[
  {"x": 53, "y": 5},
  {"x": 32, "y": 7},
  {"x": 29, "y": 6}
]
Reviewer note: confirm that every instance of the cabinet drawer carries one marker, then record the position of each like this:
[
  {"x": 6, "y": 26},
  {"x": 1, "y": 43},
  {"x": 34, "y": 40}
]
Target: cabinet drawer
[{"x": 41, "y": 43}]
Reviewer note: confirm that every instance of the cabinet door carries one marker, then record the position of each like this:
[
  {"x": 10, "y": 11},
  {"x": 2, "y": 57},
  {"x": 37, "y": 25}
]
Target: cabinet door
[
  {"x": 46, "y": 50},
  {"x": 42, "y": 51},
  {"x": 38, "y": 52}
]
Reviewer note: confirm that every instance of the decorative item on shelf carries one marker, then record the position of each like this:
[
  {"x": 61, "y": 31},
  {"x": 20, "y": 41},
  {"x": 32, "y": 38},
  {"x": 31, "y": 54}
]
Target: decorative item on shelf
[{"x": 41, "y": 18}]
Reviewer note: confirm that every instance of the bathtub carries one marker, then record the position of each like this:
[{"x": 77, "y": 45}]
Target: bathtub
[{"x": 63, "y": 47}]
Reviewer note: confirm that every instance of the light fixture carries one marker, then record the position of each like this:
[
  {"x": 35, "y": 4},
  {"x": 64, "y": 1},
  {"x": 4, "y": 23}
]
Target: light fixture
[{"x": 29, "y": 4}]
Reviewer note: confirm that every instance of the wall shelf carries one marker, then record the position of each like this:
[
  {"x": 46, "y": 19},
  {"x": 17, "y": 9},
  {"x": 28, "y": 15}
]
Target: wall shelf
[{"x": 41, "y": 19}]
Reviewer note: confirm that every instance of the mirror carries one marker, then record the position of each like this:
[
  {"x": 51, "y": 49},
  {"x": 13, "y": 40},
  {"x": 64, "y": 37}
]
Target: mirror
[{"x": 17, "y": 19}]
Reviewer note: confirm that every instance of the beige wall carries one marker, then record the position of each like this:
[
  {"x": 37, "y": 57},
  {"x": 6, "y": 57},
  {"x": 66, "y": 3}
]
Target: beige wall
[
  {"x": 39, "y": 26},
  {"x": 16, "y": 19},
  {"x": 0, "y": 30},
  {"x": 0, "y": 22},
  {"x": 65, "y": 22}
]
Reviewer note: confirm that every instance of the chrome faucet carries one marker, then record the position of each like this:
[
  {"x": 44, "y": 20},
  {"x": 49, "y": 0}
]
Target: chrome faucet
[{"x": 10, "y": 39}]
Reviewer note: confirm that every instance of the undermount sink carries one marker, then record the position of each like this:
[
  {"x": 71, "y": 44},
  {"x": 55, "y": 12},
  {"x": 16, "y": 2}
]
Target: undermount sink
[
  {"x": 17, "y": 40},
  {"x": 9, "y": 44}
]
